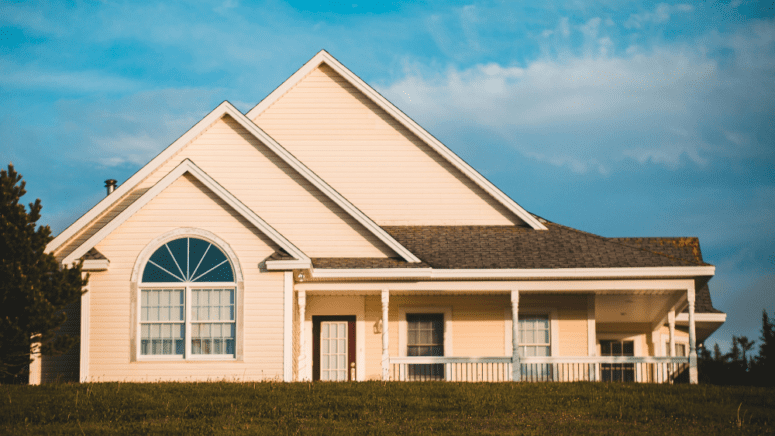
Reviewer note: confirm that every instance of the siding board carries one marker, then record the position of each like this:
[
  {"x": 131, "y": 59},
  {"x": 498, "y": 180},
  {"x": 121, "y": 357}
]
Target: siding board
[{"x": 354, "y": 145}]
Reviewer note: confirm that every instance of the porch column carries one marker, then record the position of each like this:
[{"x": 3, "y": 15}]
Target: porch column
[
  {"x": 671, "y": 343},
  {"x": 303, "y": 337},
  {"x": 671, "y": 325},
  {"x": 693, "y": 376},
  {"x": 516, "y": 367},
  {"x": 385, "y": 336},
  {"x": 591, "y": 336}
]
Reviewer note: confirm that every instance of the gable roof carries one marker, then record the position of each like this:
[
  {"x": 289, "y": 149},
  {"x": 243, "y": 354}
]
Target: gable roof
[
  {"x": 223, "y": 109},
  {"x": 324, "y": 57},
  {"x": 188, "y": 167}
]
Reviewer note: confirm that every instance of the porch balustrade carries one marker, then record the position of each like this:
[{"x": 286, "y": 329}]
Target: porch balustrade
[{"x": 539, "y": 369}]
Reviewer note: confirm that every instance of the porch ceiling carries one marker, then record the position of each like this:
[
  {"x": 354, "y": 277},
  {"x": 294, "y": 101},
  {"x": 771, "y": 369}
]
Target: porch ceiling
[{"x": 630, "y": 307}]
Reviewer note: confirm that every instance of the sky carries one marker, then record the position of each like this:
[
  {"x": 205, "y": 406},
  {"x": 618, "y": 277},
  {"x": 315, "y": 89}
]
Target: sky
[{"x": 620, "y": 118}]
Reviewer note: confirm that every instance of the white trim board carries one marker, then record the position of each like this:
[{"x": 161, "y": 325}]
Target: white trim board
[
  {"x": 187, "y": 167},
  {"x": 324, "y": 57},
  {"x": 430, "y": 273},
  {"x": 95, "y": 265},
  {"x": 506, "y": 286},
  {"x": 226, "y": 108},
  {"x": 288, "y": 326},
  {"x": 683, "y": 318}
]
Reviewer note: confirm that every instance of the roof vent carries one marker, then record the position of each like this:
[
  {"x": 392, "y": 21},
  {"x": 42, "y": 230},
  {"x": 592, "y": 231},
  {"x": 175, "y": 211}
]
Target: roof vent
[{"x": 111, "y": 185}]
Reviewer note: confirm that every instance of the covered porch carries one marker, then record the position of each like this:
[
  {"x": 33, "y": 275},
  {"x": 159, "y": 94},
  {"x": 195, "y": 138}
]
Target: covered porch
[{"x": 590, "y": 330}]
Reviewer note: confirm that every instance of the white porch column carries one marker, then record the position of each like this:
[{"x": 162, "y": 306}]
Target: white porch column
[
  {"x": 693, "y": 376},
  {"x": 671, "y": 343},
  {"x": 288, "y": 326},
  {"x": 303, "y": 373},
  {"x": 591, "y": 336},
  {"x": 671, "y": 325},
  {"x": 385, "y": 336},
  {"x": 516, "y": 367}
]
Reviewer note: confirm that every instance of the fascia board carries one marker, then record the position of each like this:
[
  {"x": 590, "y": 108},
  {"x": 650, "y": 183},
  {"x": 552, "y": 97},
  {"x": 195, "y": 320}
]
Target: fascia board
[
  {"x": 592, "y": 286},
  {"x": 282, "y": 265},
  {"x": 136, "y": 178},
  {"x": 579, "y": 273},
  {"x": 320, "y": 184},
  {"x": 187, "y": 166},
  {"x": 683, "y": 318},
  {"x": 387, "y": 106},
  {"x": 372, "y": 273},
  {"x": 95, "y": 265}
]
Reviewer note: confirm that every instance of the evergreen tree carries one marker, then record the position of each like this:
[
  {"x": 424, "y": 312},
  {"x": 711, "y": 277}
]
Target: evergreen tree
[
  {"x": 764, "y": 363},
  {"x": 34, "y": 289}
]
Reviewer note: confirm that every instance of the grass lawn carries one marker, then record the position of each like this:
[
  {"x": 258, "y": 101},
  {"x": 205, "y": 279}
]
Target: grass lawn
[{"x": 385, "y": 408}]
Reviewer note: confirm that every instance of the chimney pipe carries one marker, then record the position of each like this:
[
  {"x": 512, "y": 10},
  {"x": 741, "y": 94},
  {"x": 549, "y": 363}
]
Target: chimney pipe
[{"x": 111, "y": 185}]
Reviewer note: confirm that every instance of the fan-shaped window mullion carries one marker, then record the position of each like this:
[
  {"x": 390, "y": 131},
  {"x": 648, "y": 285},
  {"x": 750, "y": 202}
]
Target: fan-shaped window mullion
[
  {"x": 177, "y": 264},
  {"x": 193, "y": 274}
]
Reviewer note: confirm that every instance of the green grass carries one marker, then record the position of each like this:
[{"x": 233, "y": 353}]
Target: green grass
[{"x": 385, "y": 408}]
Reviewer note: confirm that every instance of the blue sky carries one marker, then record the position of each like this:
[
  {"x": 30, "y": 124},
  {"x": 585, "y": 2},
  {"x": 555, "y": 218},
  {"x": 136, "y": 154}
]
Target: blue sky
[{"x": 615, "y": 117}]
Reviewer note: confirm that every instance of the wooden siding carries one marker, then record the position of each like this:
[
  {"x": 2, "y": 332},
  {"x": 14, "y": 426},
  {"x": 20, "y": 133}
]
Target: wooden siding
[
  {"x": 373, "y": 161},
  {"x": 264, "y": 183},
  {"x": 185, "y": 203}
]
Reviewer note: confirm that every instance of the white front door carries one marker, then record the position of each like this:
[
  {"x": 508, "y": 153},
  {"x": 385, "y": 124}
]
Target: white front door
[{"x": 333, "y": 350}]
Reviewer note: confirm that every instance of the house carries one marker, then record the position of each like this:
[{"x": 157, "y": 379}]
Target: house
[{"x": 324, "y": 235}]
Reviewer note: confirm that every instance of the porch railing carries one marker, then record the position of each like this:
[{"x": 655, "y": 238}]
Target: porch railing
[{"x": 539, "y": 369}]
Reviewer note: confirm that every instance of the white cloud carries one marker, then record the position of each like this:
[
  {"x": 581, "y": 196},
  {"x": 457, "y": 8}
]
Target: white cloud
[
  {"x": 661, "y": 14},
  {"x": 13, "y": 75},
  {"x": 595, "y": 112}
]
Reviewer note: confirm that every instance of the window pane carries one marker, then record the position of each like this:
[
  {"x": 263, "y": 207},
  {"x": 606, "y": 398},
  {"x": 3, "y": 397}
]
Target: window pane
[
  {"x": 159, "y": 272},
  {"x": 161, "y": 338},
  {"x": 212, "y": 338}
]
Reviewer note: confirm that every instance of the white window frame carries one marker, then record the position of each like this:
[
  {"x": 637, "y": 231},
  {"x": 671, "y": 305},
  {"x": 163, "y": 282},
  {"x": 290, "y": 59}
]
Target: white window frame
[
  {"x": 554, "y": 328},
  {"x": 137, "y": 286},
  {"x": 446, "y": 311},
  {"x": 188, "y": 287}
]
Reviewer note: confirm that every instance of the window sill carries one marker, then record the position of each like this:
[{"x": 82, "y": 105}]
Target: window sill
[{"x": 187, "y": 360}]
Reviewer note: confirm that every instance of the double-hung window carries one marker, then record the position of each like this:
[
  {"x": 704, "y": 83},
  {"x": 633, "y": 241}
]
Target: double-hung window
[
  {"x": 535, "y": 341},
  {"x": 187, "y": 302},
  {"x": 425, "y": 337}
]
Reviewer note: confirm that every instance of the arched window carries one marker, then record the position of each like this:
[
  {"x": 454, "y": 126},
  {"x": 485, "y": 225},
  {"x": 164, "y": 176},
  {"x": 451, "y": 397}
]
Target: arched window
[{"x": 187, "y": 301}]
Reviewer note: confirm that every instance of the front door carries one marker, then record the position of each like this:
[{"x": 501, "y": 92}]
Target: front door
[{"x": 333, "y": 348}]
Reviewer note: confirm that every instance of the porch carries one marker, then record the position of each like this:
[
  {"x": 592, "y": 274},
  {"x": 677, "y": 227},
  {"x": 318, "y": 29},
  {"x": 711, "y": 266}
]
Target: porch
[{"x": 463, "y": 331}]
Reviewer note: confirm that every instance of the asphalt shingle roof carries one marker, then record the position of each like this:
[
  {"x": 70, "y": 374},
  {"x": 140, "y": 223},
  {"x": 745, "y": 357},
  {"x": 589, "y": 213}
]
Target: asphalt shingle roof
[{"x": 484, "y": 247}]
